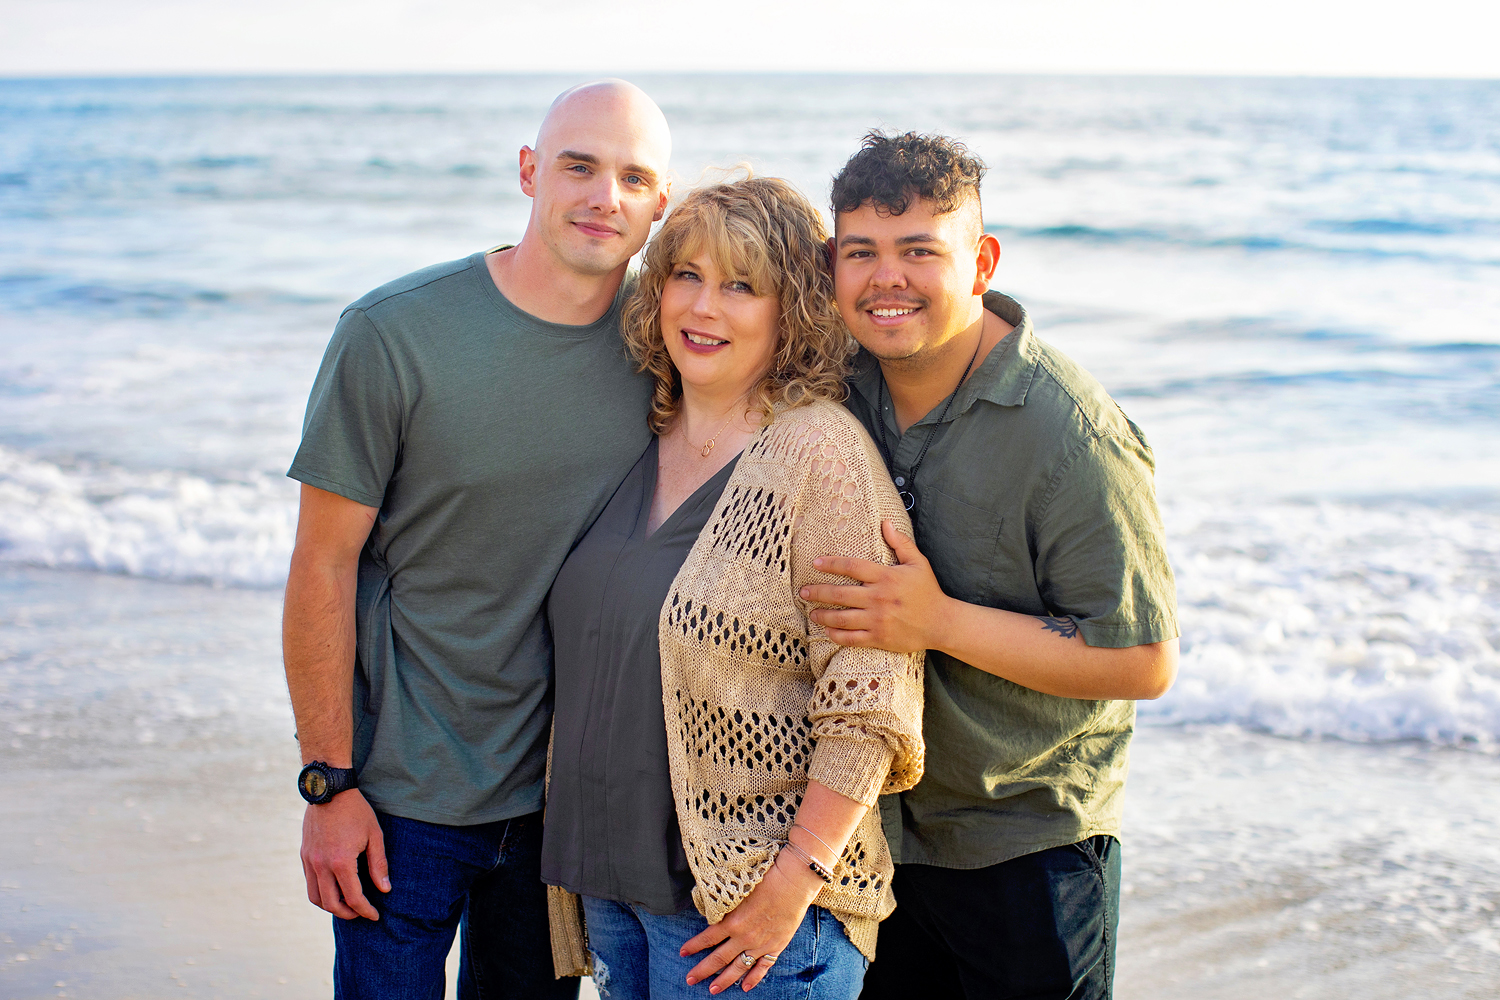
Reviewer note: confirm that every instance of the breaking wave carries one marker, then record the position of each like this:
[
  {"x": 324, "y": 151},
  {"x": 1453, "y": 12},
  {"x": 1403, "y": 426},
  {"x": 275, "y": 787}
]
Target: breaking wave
[{"x": 164, "y": 524}]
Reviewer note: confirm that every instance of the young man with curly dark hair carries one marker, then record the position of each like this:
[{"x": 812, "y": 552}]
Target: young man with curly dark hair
[{"x": 1038, "y": 584}]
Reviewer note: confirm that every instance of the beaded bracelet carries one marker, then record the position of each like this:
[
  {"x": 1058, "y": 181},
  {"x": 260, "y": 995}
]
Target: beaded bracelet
[{"x": 817, "y": 867}]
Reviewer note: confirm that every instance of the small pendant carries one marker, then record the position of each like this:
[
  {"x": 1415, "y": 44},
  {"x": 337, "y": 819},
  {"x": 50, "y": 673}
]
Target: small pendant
[{"x": 708, "y": 448}]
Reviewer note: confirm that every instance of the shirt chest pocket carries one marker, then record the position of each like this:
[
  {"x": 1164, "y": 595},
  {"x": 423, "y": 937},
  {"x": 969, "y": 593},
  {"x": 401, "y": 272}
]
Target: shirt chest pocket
[{"x": 960, "y": 539}]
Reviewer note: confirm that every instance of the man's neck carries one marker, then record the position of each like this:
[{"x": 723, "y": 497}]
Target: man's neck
[
  {"x": 920, "y": 384},
  {"x": 536, "y": 282}
]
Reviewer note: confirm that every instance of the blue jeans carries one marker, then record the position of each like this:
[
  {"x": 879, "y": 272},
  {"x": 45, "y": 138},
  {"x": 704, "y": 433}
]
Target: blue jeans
[
  {"x": 635, "y": 956},
  {"x": 485, "y": 882},
  {"x": 1039, "y": 927}
]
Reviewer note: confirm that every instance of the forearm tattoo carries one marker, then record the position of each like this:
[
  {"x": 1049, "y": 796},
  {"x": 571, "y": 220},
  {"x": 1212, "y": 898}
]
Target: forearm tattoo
[{"x": 1065, "y": 627}]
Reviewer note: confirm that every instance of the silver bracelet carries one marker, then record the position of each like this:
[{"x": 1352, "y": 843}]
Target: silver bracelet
[
  {"x": 814, "y": 836},
  {"x": 817, "y": 867}
]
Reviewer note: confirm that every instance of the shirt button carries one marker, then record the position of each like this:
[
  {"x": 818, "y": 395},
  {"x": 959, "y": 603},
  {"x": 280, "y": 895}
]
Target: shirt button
[{"x": 900, "y": 480}]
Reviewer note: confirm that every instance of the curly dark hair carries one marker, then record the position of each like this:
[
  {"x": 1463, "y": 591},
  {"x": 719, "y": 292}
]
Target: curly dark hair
[{"x": 890, "y": 170}]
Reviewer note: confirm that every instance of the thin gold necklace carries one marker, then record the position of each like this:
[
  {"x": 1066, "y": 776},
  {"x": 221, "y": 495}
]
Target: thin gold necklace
[{"x": 708, "y": 446}]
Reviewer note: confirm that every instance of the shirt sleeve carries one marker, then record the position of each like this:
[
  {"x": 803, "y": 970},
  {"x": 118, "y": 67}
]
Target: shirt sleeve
[
  {"x": 866, "y": 704},
  {"x": 1101, "y": 558},
  {"x": 351, "y": 435}
]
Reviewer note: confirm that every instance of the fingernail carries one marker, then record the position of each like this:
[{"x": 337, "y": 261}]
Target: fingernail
[
  {"x": 802, "y": 593},
  {"x": 818, "y": 562}
]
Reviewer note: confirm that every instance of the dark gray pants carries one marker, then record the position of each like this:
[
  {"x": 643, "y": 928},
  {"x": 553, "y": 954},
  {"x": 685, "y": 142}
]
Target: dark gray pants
[{"x": 1038, "y": 927}]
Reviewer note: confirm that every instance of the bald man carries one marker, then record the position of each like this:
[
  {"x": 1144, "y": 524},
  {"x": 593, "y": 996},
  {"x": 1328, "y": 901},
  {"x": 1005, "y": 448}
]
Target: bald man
[{"x": 468, "y": 423}]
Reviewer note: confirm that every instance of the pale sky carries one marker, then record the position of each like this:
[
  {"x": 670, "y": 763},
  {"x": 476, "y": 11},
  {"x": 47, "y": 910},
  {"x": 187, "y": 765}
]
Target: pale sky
[{"x": 1276, "y": 37}]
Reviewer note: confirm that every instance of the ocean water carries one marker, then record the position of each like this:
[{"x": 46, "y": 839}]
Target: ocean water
[{"x": 1292, "y": 285}]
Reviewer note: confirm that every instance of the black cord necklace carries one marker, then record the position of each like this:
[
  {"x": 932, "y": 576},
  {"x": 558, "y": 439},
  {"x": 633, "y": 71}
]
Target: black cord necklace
[{"x": 906, "y": 485}]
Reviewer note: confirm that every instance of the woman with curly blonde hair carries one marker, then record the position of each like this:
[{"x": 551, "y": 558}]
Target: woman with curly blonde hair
[{"x": 715, "y": 756}]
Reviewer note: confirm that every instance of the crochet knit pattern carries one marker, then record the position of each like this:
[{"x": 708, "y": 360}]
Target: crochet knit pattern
[{"x": 757, "y": 699}]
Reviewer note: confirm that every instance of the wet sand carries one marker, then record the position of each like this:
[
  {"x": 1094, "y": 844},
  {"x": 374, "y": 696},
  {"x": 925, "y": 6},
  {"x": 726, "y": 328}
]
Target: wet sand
[
  {"x": 141, "y": 887},
  {"x": 163, "y": 877},
  {"x": 1257, "y": 866},
  {"x": 149, "y": 828}
]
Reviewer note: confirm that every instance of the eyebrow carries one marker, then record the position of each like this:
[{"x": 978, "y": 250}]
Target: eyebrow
[
  {"x": 590, "y": 158},
  {"x": 646, "y": 172},
  {"x": 865, "y": 241}
]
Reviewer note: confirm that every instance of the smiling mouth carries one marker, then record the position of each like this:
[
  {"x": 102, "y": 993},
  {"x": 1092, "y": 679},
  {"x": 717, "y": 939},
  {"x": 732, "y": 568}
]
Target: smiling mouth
[
  {"x": 893, "y": 313},
  {"x": 702, "y": 341}
]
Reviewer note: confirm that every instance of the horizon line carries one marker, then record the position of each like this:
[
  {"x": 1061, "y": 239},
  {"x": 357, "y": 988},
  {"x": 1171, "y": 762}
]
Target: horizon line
[{"x": 207, "y": 74}]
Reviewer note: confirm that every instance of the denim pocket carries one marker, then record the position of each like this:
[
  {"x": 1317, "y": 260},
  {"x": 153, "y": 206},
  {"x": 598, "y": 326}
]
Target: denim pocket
[{"x": 1094, "y": 849}]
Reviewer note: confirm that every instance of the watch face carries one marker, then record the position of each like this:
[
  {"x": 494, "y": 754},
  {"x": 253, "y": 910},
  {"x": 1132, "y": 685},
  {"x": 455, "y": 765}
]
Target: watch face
[{"x": 315, "y": 784}]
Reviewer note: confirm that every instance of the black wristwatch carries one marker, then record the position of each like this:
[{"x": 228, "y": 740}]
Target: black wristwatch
[{"x": 319, "y": 782}]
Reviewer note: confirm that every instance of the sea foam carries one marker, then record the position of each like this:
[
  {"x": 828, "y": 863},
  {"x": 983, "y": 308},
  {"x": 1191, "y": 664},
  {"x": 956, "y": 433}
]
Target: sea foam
[
  {"x": 1369, "y": 622},
  {"x": 165, "y": 524},
  {"x": 1359, "y": 621}
]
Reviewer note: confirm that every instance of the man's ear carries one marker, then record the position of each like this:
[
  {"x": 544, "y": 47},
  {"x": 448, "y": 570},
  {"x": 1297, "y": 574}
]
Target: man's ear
[
  {"x": 828, "y": 251},
  {"x": 528, "y": 171},
  {"x": 986, "y": 260},
  {"x": 661, "y": 202}
]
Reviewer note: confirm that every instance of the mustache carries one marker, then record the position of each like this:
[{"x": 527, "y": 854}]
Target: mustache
[{"x": 889, "y": 302}]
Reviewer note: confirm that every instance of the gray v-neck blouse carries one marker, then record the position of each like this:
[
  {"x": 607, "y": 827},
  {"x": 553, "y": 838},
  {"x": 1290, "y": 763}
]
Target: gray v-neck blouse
[{"x": 611, "y": 829}]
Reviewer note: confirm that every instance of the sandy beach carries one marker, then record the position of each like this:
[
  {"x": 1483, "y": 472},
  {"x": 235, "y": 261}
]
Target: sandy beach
[{"x": 143, "y": 858}]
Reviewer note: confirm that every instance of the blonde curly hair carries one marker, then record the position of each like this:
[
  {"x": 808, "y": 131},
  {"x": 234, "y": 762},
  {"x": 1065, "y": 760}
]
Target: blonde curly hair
[{"x": 762, "y": 231}]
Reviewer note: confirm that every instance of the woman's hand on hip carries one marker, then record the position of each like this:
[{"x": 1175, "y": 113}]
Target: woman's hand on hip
[{"x": 763, "y": 924}]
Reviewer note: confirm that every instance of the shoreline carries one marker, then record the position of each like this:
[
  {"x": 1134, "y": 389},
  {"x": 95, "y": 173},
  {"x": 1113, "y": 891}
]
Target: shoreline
[{"x": 149, "y": 839}]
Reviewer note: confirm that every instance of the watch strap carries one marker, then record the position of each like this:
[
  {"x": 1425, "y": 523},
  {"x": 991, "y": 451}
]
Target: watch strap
[{"x": 320, "y": 781}]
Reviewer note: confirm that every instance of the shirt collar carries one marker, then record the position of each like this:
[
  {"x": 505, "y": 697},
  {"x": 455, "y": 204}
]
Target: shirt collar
[{"x": 1003, "y": 378}]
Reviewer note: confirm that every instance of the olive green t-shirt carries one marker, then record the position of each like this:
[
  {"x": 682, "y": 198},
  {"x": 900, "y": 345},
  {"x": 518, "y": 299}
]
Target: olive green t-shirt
[
  {"x": 490, "y": 440},
  {"x": 1036, "y": 496}
]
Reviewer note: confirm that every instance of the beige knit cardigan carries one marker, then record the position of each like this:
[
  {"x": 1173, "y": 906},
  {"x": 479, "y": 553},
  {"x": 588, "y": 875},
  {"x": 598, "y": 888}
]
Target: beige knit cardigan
[{"x": 758, "y": 701}]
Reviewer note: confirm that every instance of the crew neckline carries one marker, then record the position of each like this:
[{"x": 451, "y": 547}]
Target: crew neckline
[{"x": 536, "y": 324}]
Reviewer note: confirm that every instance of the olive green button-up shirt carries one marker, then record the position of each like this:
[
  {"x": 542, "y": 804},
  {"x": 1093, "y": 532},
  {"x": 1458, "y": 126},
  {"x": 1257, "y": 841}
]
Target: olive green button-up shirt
[{"x": 1035, "y": 496}]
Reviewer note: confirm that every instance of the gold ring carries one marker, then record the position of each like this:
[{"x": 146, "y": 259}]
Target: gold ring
[{"x": 747, "y": 960}]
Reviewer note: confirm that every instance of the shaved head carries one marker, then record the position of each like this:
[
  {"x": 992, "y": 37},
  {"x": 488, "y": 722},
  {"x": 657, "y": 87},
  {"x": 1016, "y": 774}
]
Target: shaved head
[
  {"x": 597, "y": 177},
  {"x": 606, "y": 105}
]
